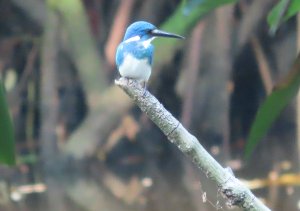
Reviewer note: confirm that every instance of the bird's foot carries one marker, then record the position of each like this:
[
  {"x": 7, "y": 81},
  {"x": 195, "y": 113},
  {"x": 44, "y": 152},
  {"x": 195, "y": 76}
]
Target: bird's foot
[
  {"x": 127, "y": 80},
  {"x": 144, "y": 93},
  {"x": 144, "y": 89}
]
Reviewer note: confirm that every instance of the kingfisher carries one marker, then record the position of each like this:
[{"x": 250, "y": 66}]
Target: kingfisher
[{"x": 135, "y": 53}]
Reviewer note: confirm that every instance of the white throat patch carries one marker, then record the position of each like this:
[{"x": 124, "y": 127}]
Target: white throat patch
[
  {"x": 131, "y": 39},
  {"x": 146, "y": 43}
]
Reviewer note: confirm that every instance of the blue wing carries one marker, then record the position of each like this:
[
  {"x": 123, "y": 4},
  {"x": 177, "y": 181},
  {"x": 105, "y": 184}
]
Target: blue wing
[
  {"x": 136, "y": 49},
  {"x": 119, "y": 55}
]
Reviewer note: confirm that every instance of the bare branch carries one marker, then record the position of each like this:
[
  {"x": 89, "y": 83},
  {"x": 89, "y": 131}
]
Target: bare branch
[{"x": 236, "y": 193}]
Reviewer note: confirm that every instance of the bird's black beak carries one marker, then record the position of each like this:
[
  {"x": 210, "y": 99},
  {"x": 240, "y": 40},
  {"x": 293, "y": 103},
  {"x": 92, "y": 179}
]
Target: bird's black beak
[{"x": 159, "y": 33}]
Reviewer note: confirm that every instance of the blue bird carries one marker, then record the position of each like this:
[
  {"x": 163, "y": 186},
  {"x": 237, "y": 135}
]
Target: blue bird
[{"x": 134, "y": 54}]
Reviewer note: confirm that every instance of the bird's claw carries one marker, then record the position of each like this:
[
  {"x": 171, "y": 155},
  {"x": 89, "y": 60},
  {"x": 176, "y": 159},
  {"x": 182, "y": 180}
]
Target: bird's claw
[
  {"x": 144, "y": 89},
  {"x": 144, "y": 92}
]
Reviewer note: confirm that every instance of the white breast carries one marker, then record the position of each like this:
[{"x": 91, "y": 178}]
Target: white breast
[{"x": 135, "y": 68}]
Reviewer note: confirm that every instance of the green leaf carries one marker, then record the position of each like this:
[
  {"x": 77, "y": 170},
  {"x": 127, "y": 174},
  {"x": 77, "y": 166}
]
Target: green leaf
[
  {"x": 181, "y": 22},
  {"x": 205, "y": 5},
  {"x": 281, "y": 12},
  {"x": 272, "y": 106},
  {"x": 7, "y": 142},
  {"x": 27, "y": 159}
]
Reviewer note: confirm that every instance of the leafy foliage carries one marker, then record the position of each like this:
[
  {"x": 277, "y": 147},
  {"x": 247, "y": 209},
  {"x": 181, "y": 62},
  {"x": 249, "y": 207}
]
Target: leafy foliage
[
  {"x": 273, "y": 105},
  {"x": 183, "y": 19},
  {"x": 7, "y": 143},
  {"x": 281, "y": 12}
]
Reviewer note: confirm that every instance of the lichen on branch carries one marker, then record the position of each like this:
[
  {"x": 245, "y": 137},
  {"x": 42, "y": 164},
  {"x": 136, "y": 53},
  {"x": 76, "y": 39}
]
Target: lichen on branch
[{"x": 236, "y": 193}]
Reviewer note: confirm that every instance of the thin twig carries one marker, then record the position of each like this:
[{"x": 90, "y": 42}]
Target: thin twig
[
  {"x": 236, "y": 193},
  {"x": 263, "y": 65},
  {"x": 191, "y": 73},
  {"x": 120, "y": 22},
  {"x": 298, "y": 96}
]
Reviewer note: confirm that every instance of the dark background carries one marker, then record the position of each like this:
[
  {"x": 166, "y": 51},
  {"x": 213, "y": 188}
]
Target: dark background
[{"x": 82, "y": 145}]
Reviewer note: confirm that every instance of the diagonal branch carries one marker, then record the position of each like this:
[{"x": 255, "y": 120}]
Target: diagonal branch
[{"x": 236, "y": 193}]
